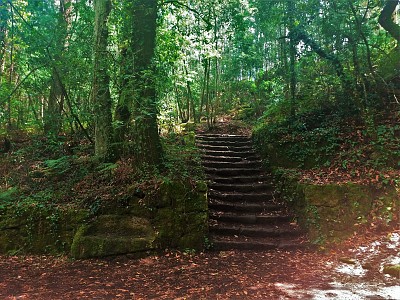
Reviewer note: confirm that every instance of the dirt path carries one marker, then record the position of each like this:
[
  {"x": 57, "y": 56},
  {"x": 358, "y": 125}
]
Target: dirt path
[{"x": 214, "y": 275}]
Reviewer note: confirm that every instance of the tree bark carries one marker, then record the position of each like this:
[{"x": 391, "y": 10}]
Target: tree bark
[
  {"x": 148, "y": 144},
  {"x": 4, "y": 15},
  {"x": 123, "y": 110},
  {"x": 386, "y": 19},
  {"x": 55, "y": 107},
  {"x": 292, "y": 52},
  {"x": 101, "y": 82}
]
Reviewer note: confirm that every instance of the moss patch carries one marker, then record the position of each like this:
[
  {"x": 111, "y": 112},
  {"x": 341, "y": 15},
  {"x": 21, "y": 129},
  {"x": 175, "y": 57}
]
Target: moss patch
[
  {"x": 113, "y": 235},
  {"x": 333, "y": 212}
]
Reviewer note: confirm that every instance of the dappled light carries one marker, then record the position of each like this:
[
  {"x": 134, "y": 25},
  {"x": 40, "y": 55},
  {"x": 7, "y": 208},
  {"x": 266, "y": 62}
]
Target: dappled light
[{"x": 229, "y": 149}]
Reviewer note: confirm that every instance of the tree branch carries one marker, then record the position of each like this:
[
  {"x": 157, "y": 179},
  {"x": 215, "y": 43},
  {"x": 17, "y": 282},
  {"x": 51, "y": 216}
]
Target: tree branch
[
  {"x": 386, "y": 19},
  {"x": 178, "y": 3}
]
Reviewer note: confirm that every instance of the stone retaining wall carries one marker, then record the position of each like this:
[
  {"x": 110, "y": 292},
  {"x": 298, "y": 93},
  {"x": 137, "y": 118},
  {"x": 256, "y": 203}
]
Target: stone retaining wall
[
  {"x": 175, "y": 216},
  {"x": 333, "y": 212}
]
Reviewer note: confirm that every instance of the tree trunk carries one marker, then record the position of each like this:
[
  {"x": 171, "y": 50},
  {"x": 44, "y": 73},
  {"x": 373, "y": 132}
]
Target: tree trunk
[
  {"x": 101, "y": 82},
  {"x": 122, "y": 118},
  {"x": 53, "y": 116},
  {"x": 148, "y": 144},
  {"x": 386, "y": 19},
  {"x": 4, "y": 15},
  {"x": 292, "y": 53},
  {"x": 123, "y": 110}
]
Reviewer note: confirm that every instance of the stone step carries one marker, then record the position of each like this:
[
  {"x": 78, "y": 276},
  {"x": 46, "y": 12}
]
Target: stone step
[
  {"x": 225, "y": 148},
  {"x": 233, "y": 207},
  {"x": 229, "y": 172},
  {"x": 223, "y": 137},
  {"x": 254, "y": 230},
  {"x": 240, "y": 179},
  {"x": 241, "y": 187},
  {"x": 226, "y": 165},
  {"x": 223, "y": 243},
  {"x": 229, "y": 158},
  {"x": 241, "y": 197},
  {"x": 218, "y": 142},
  {"x": 243, "y": 212},
  {"x": 250, "y": 218},
  {"x": 243, "y": 154}
]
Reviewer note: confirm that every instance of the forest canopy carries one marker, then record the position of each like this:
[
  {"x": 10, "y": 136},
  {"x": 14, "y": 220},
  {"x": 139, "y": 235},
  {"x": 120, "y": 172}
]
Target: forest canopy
[{"x": 120, "y": 73}]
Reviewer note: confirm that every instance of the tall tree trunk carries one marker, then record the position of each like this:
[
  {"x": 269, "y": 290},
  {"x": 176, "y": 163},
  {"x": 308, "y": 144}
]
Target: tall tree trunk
[
  {"x": 53, "y": 116},
  {"x": 101, "y": 82},
  {"x": 148, "y": 144},
  {"x": 291, "y": 8},
  {"x": 204, "y": 92},
  {"x": 386, "y": 19},
  {"x": 4, "y": 15},
  {"x": 123, "y": 110}
]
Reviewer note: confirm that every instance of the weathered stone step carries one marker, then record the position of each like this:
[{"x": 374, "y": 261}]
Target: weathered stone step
[
  {"x": 261, "y": 207},
  {"x": 229, "y": 158},
  {"x": 241, "y": 187},
  {"x": 229, "y": 172},
  {"x": 250, "y": 230},
  {"x": 250, "y": 218},
  {"x": 225, "y": 148},
  {"x": 225, "y": 165},
  {"x": 223, "y": 137},
  {"x": 241, "y": 197},
  {"x": 243, "y": 212},
  {"x": 240, "y": 179},
  {"x": 222, "y": 243},
  {"x": 218, "y": 142},
  {"x": 243, "y": 154}
]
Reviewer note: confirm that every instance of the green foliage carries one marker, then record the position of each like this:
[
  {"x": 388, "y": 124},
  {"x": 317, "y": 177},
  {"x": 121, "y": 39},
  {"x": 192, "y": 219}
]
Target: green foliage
[
  {"x": 182, "y": 160},
  {"x": 58, "y": 166},
  {"x": 308, "y": 141}
]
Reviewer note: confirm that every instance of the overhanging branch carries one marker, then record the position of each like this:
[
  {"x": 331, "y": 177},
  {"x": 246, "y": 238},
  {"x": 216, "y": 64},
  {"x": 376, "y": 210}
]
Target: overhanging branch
[{"x": 386, "y": 19}]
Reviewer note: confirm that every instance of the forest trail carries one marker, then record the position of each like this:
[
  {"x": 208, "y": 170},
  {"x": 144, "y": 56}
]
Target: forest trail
[{"x": 245, "y": 212}]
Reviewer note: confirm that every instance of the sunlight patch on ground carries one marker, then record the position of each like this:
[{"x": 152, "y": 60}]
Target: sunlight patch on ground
[
  {"x": 352, "y": 270},
  {"x": 341, "y": 291}
]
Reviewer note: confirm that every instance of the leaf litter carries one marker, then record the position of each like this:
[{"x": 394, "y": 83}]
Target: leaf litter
[{"x": 305, "y": 274}]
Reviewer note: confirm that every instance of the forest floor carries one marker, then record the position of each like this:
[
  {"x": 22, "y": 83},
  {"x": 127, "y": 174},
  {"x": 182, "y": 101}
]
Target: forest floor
[{"x": 351, "y": 270}]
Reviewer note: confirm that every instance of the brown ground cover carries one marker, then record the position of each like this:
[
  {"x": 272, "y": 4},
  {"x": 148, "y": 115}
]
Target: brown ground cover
[{"x": 177, "y": 275}]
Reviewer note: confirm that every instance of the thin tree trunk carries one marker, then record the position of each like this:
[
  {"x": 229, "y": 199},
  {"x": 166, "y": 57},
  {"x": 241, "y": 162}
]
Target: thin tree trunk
[
  {"x": 101, "y": 82},
  {"x": 53, "y": 116},
  {"x": 363, "y": 37},
  {"x": 4, "y": 16},
  {"x": 292, "y": 54},
  {"x": 300, "y": 35},
  {"x": 203, "y": 100}
]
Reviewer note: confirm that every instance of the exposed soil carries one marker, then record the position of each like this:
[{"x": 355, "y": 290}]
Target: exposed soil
[{"x": 307, "y": 274}]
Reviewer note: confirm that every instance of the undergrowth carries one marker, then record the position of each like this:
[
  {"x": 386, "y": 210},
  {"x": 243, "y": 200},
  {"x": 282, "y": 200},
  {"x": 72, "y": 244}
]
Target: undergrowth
[
  {"x": 44, "y": 173},
  {"x": 328, "y": 147}
]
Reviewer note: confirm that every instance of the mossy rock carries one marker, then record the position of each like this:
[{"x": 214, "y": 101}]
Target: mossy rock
[
  {"x": 324, "y": 195},
  {"x": 113, "y": 235},
  {"x": 39, "y": 231},
  {"x": 182, "y": 197},
  {"x": 181, "y": 230}
]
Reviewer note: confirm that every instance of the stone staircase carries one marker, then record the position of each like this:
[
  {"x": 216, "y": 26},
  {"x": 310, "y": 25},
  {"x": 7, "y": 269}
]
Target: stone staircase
[{"x": 243, "y": 210}]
